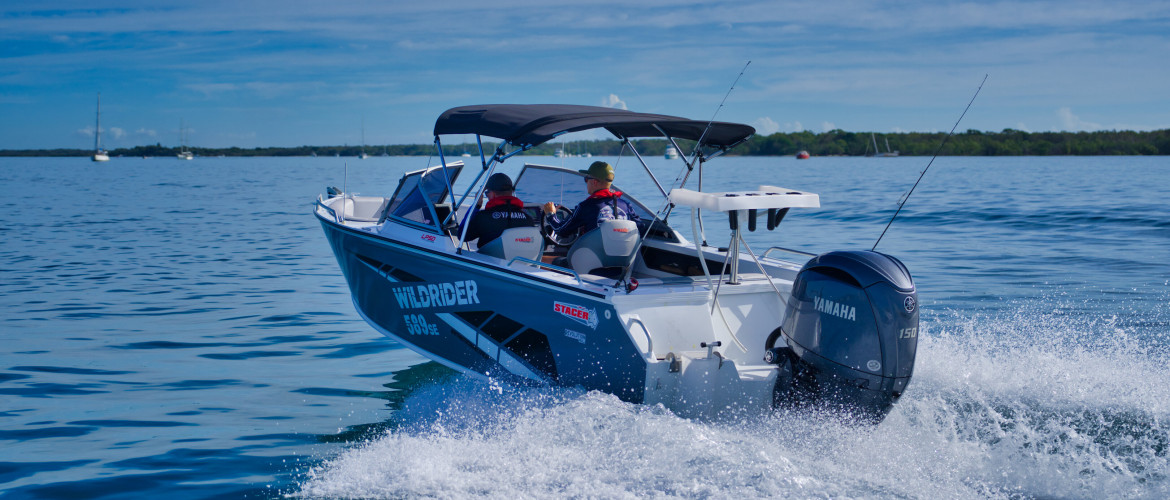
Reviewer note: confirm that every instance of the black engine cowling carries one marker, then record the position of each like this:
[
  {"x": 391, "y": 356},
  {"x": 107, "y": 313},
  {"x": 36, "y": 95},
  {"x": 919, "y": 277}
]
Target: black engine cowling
[{"x": 851, "y": 333}]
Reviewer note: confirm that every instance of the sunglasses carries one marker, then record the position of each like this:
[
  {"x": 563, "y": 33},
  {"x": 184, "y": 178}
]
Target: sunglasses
[{"x": 587, "y": 179}]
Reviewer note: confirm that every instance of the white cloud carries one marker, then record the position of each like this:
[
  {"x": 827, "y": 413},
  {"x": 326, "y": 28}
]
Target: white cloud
[
  {"x": 1074, "y": 123},
  {"x": 766, "y": 126},
  {"x": 827, "y": 126},
  {"x": 613, "y": 101},
  {"x": 212, "y": 89},
  {"x": 317, "y": 70},
  {"x": 113, "y": 134},
  {"x": 146, "y": 133},
  {"x": 1022, "y": 127}
]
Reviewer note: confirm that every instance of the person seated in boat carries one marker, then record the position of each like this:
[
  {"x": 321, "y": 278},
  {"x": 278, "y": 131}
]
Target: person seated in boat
[
  {"x": 604, "y": 203},
  {"x": 503, "y": 211}
]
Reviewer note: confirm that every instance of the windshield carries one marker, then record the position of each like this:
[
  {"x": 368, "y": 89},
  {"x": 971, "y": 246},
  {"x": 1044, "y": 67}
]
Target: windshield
[
  {"x": 419, "y": 191},
  {"x": 538, "y": 184}
]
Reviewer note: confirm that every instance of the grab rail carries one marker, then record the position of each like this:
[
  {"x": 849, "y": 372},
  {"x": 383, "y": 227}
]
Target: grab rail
[
  {"x": 550, "y": 267},
  {"x": 331, "y": 211},
  {"x": 789, "y": 250},
  {"x": 649, "y": 340}
]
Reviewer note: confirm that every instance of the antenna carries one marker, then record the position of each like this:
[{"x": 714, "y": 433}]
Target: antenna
[
  {"x": 699, "y": 143},
  {"x": 666, "y": 209},
  {"x": 936, "y": 152}
]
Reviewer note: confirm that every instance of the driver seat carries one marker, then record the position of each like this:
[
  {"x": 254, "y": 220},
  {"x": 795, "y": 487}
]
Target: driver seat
[
  {"x": 611, "y": 245},
  {"x": 526, "y": 242}
]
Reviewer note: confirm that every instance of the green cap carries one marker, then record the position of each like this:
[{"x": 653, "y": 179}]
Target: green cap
[{"x": 600, "y": 170}]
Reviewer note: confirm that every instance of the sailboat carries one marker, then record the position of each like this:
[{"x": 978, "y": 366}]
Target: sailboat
[
  {"x": 184, "y": 153},
  {"x": 879, "y": 154},
  {"x": 98, "y": 153}
]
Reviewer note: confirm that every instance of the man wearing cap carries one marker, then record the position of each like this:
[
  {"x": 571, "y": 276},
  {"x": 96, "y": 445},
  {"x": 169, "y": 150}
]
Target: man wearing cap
[
  {"x": 603, "y": 203},
  {"x": 503, "y": 211}
]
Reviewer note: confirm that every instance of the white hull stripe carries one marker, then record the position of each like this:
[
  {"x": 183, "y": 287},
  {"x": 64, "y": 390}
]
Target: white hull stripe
[{"x": 481, "y": 342}]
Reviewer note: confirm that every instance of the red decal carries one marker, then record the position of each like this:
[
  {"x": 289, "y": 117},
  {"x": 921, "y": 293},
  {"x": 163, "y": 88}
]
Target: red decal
[
  {"x": 429, "y": 238},
  {"x": 571, "y": 311}
]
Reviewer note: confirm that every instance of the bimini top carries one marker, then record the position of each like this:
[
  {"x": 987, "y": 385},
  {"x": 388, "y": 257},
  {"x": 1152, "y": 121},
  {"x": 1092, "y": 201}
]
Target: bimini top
[{"x": 528, "y": 125}]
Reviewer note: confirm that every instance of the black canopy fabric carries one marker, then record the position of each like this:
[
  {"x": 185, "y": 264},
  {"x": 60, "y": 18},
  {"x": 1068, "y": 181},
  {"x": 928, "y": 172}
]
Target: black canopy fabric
[{"x": 528, "y": 125}]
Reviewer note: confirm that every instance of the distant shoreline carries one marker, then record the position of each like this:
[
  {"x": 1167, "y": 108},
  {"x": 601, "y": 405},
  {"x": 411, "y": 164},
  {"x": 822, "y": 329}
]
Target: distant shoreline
[{"x": 1009, "y": 142}]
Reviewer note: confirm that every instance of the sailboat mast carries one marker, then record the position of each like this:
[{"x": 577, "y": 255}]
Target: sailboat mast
[{"x": 97, "y": 128}]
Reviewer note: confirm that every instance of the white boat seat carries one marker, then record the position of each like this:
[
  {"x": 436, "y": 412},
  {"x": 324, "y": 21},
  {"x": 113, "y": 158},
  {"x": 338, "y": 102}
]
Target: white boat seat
[
  {"x": 612, "y": 244},
  {"x": 526, "y": 242}
]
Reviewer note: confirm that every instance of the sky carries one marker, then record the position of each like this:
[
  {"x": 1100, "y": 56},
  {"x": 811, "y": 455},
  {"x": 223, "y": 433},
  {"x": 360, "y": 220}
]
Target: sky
[{"x": 307, "y": 72}]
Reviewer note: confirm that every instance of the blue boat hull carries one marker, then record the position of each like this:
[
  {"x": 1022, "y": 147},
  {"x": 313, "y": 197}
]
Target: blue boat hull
[{"x": 487, "y": 320}]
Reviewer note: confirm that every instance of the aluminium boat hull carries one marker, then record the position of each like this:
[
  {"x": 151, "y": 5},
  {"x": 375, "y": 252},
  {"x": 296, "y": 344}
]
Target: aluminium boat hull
[
  {"x": 702, "y": 330},
  {"x": 487, "y": 321}
]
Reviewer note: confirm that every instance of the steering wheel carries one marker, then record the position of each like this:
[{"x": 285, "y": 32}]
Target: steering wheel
[{"x": 565, "y": 240}]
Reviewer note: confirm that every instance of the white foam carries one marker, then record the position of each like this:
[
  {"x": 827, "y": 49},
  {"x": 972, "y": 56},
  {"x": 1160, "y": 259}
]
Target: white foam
[{"x": 1021, "y": 403}]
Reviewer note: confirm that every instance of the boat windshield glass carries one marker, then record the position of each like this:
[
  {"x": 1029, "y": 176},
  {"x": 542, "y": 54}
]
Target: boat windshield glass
[
  {"x": 538, "y": 184},
  {"x": 420, "y": 191}
]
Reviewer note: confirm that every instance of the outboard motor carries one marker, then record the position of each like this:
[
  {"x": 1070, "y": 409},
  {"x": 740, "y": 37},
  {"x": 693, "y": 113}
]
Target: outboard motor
[{"x": 851, "y": 333}]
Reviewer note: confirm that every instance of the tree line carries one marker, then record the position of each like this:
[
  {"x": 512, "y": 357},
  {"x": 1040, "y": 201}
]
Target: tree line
[{"x": 1008, "y": 142}]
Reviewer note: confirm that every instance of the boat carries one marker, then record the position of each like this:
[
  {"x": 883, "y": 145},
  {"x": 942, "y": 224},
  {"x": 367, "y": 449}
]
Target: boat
[
  {"x": 184, "y": 153},
  {"x": 671, "y": 153},
  {"x": 637, "y": 309},
  {"x": 99, "y": 154},
  {"x": 802, "y": 155},
  {"x": 879, "y": 154}
]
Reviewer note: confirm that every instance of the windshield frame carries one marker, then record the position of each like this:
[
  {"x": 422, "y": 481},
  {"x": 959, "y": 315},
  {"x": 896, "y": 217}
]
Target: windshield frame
[{"x": 414, "y": 184}]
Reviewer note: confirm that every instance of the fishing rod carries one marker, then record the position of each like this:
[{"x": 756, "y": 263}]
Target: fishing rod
[
  {"x": 699, "y": 144},
  {"x": 716, "y": 113},
  {"x": 936, "y": 152}
]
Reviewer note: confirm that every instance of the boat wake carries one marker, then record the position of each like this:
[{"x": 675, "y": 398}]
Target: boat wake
[{"x": 1026, "y": 402}]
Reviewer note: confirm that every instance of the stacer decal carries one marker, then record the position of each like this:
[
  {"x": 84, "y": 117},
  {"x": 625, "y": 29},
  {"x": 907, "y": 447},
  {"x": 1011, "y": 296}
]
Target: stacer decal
[{"x": 587, "y": 317}]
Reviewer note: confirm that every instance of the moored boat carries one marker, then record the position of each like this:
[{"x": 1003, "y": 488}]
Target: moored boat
[
  {"x": 184, "y": 153},
  {"x": 636, "y": 309},
  {"x": 879, "y": 154},
  {"x": 99, "y": 154}
]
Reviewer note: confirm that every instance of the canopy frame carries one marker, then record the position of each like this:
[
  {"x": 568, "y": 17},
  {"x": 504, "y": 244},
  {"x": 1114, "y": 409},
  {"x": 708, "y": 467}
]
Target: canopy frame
[{"x": 526, "y": 126}]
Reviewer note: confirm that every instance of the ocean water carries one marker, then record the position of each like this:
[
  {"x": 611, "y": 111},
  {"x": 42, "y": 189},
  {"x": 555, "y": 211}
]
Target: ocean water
[{"x": 180, "y": 329}]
